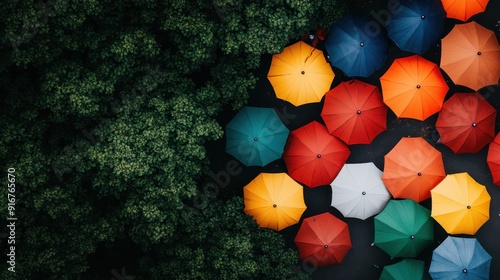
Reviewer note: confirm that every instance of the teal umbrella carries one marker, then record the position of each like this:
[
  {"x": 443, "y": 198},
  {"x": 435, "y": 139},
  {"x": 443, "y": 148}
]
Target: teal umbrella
[
  {"x": 404, "y": 228},
  {"x": 256, "y": 136},
  {"x": 407, "y": 269}
]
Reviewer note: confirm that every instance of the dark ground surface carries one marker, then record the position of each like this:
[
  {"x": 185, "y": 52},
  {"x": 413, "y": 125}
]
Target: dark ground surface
[{"x": 364, "y": 261}]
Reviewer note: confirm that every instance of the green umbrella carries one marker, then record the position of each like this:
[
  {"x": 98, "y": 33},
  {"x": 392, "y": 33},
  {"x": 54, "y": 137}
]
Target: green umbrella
[
  {"x": 256, "y": 136},
  {"x": 407, "y": 269},
  {"x": 404, "y": 228}
]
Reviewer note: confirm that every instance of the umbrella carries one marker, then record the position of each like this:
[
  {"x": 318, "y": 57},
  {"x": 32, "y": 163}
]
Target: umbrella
[
  {"x": 404, "y": 228},
  {"x": 416, "y": 25},
  {"x": 470, "y": 55},
  {"x": 463, "y": 9},
  {"x": 300, "y": 74},
  {"x": 358, "y": 191},
  {"x": 256, "y": 136},
  {"x": 413, "y": 87},
  {"x": 274, "y": 200},
  {"x": 355, "y": 112},
  {"x": 493, "y": 159},
  {"x": 460, "y": 204},
  {"x": 323, "y": 240},
  {"x": 460, "y": 258},
  {"x": 314, "y": 157},
  {"x": 407, "y": 269},
  {"x": 466, "y": 123},
  {"x": 354, "y": 48},
  {"x": 412, "y": 168}
]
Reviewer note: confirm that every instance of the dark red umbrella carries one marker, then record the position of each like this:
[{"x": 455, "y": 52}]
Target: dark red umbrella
[
  {"x": 313, "y": 156},
  {"x": 323, "y": 240},
  {"x": 355, "y": 112},
  {"x": 466, "y": 123},
  {"x": 493, "y": 159}
]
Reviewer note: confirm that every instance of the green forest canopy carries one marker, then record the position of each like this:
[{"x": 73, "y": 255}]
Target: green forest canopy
[{"x": 106, "y": 107}]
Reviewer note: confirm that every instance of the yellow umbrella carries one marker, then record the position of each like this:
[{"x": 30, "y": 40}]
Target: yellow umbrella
[
  {"x": 300, "y": 74},
  {"x": 460, "y": 204},
  {"x": 274, "y": 200}
]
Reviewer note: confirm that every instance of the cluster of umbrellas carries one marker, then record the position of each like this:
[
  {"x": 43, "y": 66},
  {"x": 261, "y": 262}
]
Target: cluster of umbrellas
[{"x": 355, "y": 112}]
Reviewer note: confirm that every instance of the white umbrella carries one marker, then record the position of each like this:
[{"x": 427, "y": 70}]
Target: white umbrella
[{"x": 358, "y": 191}]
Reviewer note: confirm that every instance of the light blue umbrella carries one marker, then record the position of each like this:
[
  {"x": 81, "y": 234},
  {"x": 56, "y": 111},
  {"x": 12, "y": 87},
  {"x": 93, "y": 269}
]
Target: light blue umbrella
[
  {"x": 357, "y": 45},
  {"x": 460, "y": 258},
  {"x": 256, "y": 136},
  {"x": 416, "y": 24}
]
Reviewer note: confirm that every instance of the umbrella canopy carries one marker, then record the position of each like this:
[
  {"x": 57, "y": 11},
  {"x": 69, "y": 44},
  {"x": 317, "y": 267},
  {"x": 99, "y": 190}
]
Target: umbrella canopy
[
  {"x": 407, "y": 269},
  {"x": 256, "y": 136},
  {"x": 323, "y": 240},
  {"x": 493, "y": 159},
  {"x": 412, "y": 168},
  {"x": 463, "y": 9},
  {"x": 416, "y": 25},
  {"x": 274, "y": 200},
  {"x": 460, "y": 204},
  {"x": 404, "y": 228},
  {"x": 355, "y": 112},
  {"x": 470, "y": 55},
  {"x": 300, "y": 74},
  {"x": 466, "y": 123},
  {"x": 358, "y": 191},
  {"x": 413, "y": 87},
  {"x": 314, "y": 157},
  {"x": 354, "y": 48},
  {"x": 460, "y": 259}
]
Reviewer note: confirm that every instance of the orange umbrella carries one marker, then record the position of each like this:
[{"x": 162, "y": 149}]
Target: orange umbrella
[
  {"x": 300, "y": 74},
  {"x": 463, "y": 9},
  {"x": 413, "y": 87},
  {"x": 412, "y": 168},
  {"x": 274, "y": 200},
  {"x": 466, "y": 123},
  {"x": 493, "y": 159},
  {"x": 470, "y": 55}
]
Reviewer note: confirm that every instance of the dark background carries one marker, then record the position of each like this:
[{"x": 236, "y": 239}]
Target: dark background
[{"x": 364, "y": 261}]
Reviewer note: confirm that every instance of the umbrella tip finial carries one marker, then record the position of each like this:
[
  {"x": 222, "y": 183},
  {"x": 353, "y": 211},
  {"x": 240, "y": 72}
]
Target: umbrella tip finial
[
  {"x": 255, "y": 139},
  {"x": 474, "y": 124},
  {"x": 464, "y": 270},
  {"x": 274, "y": 205},
  {"x": 419, "y": 173},
  {"x": 318, "y": 155},
  {"x": 412, "y": 236},
  {"x": 418, "y": 86},
  {"x": 362, "y": 44},
  {"x": 325, "y": 246},
  {"x": 422, "y": 17},
  {"x": 363, "y": 193},
  {"x": 358, "y": 112},
  {"x": 302, "y": 72},
  {"x": 478, "y": 53},
  {"x": 468, "y": 207}
]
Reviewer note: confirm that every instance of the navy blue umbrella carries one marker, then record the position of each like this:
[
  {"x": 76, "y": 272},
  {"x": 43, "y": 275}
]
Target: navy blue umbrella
[
  {"x": 357, "y": 45},
  {"x": 416, "y": 24}
]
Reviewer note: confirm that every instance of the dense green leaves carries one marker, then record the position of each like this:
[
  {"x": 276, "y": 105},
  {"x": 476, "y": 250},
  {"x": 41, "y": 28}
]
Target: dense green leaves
[{"x": 106, "y": 110}]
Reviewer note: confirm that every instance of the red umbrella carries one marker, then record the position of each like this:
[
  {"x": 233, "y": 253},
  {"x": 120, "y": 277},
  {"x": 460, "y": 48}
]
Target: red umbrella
[
  {"x": 314, "y": 157},
  {"x": 323, "y": 240},
  {"x": 355, "y": 112},
  {"x": 493, "y": 159},
  {"x": 466, "y": 123}
]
